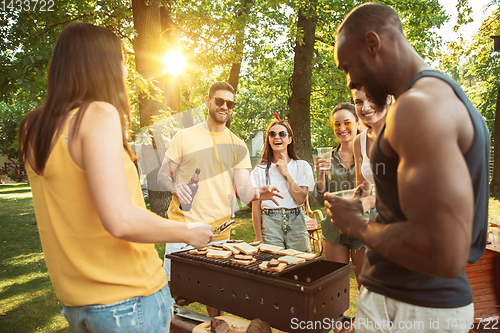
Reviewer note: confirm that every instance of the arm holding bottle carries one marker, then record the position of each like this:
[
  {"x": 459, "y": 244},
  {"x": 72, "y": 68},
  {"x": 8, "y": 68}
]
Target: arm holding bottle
[{"x": 166, "y": 176}]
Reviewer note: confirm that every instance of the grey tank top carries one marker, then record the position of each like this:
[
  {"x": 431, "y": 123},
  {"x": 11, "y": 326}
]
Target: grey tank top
[{"x": 385, "y": 277}]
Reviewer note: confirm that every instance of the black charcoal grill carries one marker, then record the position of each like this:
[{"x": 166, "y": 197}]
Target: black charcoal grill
[{"x": 314, "y": 291}]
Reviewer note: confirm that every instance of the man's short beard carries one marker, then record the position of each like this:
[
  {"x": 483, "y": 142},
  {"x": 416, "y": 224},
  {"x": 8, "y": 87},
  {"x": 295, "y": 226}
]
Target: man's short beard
[
  {"x": 214, "y": 116},
  {"x": 372, "y": 89},
  {"x": 378, "y": 97}
]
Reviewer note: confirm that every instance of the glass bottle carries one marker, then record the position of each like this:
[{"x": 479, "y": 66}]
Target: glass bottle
[{"x": 193, "y": 186}]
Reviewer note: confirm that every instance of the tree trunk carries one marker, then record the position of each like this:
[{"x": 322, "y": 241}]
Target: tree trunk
[
  {"x": 147, "y": 47},
  {"x": 299, "y": 102},
  {"x": 495, "y": 181},
  {"x": 170, "y": 36},
  {"x": 234, "y": 74},
  {"x": 147, "y": 53}
]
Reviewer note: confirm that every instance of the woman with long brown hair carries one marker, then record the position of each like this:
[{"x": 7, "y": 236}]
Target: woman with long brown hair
[
  {"x": 282, "y": 225},
  {"x": 97, "y": 235}
]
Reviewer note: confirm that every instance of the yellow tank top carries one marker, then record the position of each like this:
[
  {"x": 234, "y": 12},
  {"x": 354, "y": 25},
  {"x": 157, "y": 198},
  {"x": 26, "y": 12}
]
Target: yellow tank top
[{"x": 86, "y": 264}]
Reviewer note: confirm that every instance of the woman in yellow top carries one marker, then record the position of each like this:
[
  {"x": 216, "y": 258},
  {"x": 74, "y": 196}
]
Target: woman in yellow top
[{"x": 97, "y": 235}]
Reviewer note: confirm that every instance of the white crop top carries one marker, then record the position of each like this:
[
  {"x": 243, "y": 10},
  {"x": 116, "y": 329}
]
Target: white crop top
[{"x": 366, "y": 168}]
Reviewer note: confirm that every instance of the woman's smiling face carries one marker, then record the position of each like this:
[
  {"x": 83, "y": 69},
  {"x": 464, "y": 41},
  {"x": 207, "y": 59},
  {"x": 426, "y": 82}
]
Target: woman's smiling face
[
  {"x": 344, "y": 125},
  {"x": 366, "y": 109},
  {"x": 276, "y": 139}
]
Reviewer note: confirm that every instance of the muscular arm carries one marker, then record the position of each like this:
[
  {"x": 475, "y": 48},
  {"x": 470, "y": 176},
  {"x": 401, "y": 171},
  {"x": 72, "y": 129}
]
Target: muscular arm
[{"x": 435, "y": 190}]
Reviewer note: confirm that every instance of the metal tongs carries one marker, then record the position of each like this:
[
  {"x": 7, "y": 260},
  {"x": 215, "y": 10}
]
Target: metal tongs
[{"x": 222, "y": 227}]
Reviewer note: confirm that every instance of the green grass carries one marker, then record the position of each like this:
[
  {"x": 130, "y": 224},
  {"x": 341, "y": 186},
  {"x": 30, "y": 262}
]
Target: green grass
[{"x": 27, "y": 299}]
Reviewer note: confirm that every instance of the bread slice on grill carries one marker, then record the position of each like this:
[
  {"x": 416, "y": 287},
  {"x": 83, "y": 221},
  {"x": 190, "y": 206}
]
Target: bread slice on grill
[
  {"x": 291, "y": 260},
  {"x": 230, "y": 247},
  {"x": 242, "y": 262},
  {"x": 307, "y": 256},
  {"x": 218, "y": 254},
  {"x": 243, "y": 257},
  {"x": 235, "y": 241},
  {"x": 280, "y": 267},
  {"x": 195, "y": 251},
  {"x": 270, "y": 248},
  {"x": 289, "y": 252},
  {"x": 256, "y": 244},
  {"x": 245, "y": 248}
]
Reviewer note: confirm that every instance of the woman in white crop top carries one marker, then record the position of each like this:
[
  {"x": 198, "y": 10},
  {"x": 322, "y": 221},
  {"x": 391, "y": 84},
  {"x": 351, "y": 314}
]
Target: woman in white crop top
[
  {"x": 284, "y": 224},
  {"x": 374, "y": 119}
]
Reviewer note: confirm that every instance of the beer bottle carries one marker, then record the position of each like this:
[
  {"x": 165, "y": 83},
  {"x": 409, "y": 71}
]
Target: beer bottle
[{"x": 193, "y": 185}]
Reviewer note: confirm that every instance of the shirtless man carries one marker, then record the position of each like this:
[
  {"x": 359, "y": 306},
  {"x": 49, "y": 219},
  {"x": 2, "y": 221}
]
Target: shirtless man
[{"x": 430, "y": 164}]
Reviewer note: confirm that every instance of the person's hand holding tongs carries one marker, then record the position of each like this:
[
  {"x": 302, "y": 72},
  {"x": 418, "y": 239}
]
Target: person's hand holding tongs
[{"x": 222, "y": 227}]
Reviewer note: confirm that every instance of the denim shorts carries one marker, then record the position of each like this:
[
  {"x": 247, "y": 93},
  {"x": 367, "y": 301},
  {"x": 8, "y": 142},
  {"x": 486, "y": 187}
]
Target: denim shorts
[
  {"x": 137, "y": 314},
  {"x": 286, "y": 228}
]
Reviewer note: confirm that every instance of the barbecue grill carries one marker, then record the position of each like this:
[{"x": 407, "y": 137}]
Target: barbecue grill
[{"x": 316, "y": 290}]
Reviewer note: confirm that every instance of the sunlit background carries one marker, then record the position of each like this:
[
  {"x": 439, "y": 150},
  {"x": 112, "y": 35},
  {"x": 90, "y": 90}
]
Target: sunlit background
[{"x": 174, "y": 63}]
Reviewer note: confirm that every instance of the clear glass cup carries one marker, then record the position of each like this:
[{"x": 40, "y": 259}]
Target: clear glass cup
[
  {"x": 345, "y": 194},
  {"x": 326, "y": 154}
]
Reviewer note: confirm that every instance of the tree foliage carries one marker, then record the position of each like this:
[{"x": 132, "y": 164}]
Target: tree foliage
[
  {"x": 269, "y": 67},
  {"x": 476, "y": 66},
  {"x": 213, "y": 35},
  {"x": 10, "y": 117}
]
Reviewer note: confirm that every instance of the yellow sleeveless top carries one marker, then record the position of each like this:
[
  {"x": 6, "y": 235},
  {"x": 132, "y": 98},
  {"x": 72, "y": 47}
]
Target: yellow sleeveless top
[{"x": 86, "y": 264}]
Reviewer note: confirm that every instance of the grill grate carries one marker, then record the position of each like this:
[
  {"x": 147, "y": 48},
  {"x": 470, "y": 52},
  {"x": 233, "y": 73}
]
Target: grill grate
[{"x": 253, "y": 267}]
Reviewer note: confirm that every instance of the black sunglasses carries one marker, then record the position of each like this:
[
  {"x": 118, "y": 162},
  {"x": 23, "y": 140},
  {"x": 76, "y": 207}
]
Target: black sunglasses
[
  {"x": 220, "y": 102},
  {"x": 282, "y": 134}
]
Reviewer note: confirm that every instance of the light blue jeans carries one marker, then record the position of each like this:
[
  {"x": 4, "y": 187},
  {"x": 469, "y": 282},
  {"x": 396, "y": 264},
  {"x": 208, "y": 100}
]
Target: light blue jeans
[
  {"x": 137, "y": 314},
  {"x": 286, "y": 228}
]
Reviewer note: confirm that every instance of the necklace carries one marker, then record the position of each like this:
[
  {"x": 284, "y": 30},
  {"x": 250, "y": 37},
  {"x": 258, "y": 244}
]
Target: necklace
[{"x": 338, "y": 154}]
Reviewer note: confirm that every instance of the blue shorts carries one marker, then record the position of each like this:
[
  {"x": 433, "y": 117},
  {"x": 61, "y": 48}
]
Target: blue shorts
[
  {"x": 286, "y": 228},
  {"x": 137, "y": 314}
]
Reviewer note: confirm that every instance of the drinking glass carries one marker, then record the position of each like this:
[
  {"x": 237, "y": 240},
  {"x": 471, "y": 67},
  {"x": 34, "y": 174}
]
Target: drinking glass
[
  {"x": 345, "y": 194},
  {"x": 326, "y": 154}
]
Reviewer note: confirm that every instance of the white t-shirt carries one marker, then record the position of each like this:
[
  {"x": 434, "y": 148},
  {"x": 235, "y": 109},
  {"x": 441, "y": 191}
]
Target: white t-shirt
[{"x": 299, "y": 170}]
